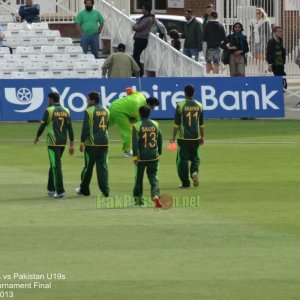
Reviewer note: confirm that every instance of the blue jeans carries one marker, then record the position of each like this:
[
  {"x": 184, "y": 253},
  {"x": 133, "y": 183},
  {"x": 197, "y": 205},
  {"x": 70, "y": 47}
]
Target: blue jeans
[
  {"x": 92, "y": 41},
  {"x": 191, "y": 52}
]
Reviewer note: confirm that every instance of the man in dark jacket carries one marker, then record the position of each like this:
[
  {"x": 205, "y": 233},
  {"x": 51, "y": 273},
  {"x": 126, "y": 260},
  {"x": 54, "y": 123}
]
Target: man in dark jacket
[
  {"x": 30, "y": 12},
  {"x": 214, "y": 34},
  {"x": 276, "y": 54},
  {"x": 193, "y": 36}
]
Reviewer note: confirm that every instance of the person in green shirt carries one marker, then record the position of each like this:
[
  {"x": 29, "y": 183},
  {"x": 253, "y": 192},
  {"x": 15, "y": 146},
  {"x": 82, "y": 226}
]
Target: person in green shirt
[
  {"x": 125, "y": 111},
  {"x": 190, "y": 128},
  {"x": 57, "y": 122},
  {"x": 90, "y": 23},
  {"x": 146, "y": 147},
  {"x": 94, "y": 143}
]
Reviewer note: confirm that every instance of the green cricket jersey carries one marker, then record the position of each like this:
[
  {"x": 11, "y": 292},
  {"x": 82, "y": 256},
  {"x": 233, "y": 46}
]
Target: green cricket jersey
[
  {"x": 129, "y": 105},
  {"x": 146, "y": 140},
  {"x": 89, "y": 21},
  {"x": 57, "y": 122},
  {"x": 189, "y": 119},
  {"x": 94, "y": 128}
]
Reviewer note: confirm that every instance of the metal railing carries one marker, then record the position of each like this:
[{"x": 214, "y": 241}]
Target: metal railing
[
  {"x": 162, "y": 59},
  {"x": 158, "y": 57}
]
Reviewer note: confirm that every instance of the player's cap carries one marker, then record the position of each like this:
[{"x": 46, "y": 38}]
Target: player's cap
[
  {"x": 121, "y": 46},
  {"x": 210, "y": 6}
]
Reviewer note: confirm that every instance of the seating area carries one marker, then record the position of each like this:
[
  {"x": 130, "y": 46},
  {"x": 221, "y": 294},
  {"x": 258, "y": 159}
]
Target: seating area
[{"x": 39, "y": 52}]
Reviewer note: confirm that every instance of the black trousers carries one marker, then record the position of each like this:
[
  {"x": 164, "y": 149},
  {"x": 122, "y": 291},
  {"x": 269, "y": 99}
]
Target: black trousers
[
  {"x": 279, "y": 71},
  {"x": 138, "y": 47}
]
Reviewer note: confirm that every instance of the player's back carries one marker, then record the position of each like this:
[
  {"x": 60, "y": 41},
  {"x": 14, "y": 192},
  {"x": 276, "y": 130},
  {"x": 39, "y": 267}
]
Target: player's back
[
  {"x": 128, "y": 105},
  {"x": 148, "y": 139},
  {"x": 96, "y": 129},
  {"x": 189, "y": 117},
  {"x": 59, "y": 121}
]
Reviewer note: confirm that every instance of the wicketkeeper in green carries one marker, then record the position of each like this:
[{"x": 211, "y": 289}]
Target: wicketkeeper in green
[
  {"x": 57, "y": 122},
  {"x": 94, "y": 143},
  {"x": 146, "y": 147},
  {"x": 124, "y": 112},
  {"x": 190, "y": 128}
]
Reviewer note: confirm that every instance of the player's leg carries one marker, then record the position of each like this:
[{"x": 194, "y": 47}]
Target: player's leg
[
  {"x": 55, "y": 181},
  {"x": 87, "y": 172},
  {"x": 138, "y": 183},
  {"x": 195, "y": 162},
  {"x": 152, "y": 168},
  {"x": 59, "y": 176},
  {"x": 182, "y": 162},
  {"x": 51, "y": 175},
  {"x": 125, "y": 128},
  {"x": 102, "y": 169}
]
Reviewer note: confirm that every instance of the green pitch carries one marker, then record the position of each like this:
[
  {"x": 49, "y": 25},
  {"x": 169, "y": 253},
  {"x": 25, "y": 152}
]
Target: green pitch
[{"x": 238, "y": 240}]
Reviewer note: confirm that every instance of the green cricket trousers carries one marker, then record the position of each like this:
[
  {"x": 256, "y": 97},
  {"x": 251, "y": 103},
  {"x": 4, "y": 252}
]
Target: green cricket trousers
[
  {"x": 188, "y": 150},
  {"x": 55, "y": 177},
  {"x": 125, "y": 128},
  {"x": 151, "y": 170},
  {"x": 95, "y": 155}
]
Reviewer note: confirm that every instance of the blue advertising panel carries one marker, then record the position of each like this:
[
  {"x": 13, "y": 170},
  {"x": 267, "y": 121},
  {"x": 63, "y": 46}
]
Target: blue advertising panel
[{"x": 222, "y": 97}]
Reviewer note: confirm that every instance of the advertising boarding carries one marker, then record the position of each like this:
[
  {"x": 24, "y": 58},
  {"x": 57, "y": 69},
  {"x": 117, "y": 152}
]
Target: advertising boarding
[{"x": 239, "y": 97}]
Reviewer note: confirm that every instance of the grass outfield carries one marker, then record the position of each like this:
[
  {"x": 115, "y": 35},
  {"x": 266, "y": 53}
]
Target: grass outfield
[{"x": 241, "y": 242}]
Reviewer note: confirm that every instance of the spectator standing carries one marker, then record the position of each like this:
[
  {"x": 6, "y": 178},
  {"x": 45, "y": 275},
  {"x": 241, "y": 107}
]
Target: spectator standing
[
  {"x": 2, "y": 41},
  {"x": 142, "y": 29},
  {"x": 189, "y": 124},
  {"x": 237, "y": 44},
  {"x": 159, "y": 28},
  {"x": 175, "y": 42},
  {"x": 193, "y": 36},
  {"x": 120, "y": 65},
  {"x": 94, "y": 143},
  {"x": 260, "y": 34},
  {"x": 276, "y": 54},
  {"x": 206, "y": 17},
  {"x": 147, "y": 147},
  {"x": 90, "y": 22},
  {"x": 214, "y": 35},
  {"x": 57, "y": 122},
  {"x": 30, "y": 12}
]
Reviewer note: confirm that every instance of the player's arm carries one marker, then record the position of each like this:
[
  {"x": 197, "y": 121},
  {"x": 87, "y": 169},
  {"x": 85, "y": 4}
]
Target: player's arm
[
  {"x": 159, "y": 142},
  {"x": 177, "y": 121},
  {"x": 41, "y": 129},
  {"x": 201, "y": 127},
  {"x": 71, "y": 135},
  {"x": 84, "y": 131},
  {"x": 135, "y": 145}
]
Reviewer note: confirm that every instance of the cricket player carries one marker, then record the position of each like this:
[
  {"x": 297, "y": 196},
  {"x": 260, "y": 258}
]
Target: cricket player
[
  {"x": 147, "y": 147},
  {"x": 190, "y": 128},
  {"x": 94, "y": 143},
  {"x": 57, "y": 122},
  {"x": 125, "y": 111}
]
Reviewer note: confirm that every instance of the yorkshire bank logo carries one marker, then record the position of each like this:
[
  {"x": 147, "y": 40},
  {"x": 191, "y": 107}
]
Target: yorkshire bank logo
[{"x": 33, "y": 98}]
